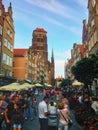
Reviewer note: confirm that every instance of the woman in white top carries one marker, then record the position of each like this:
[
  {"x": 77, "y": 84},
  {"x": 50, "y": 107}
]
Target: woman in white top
[
  {"x": 64, "y": 117},
  {"x": 52, "y": 108},
  {"x": 52, "y": 118}
]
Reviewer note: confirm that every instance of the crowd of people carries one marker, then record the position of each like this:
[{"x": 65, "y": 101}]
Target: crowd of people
[
  {"x": 53, "y": 111},
  {"x": 89, "y": 101},
  {"x": 15, "y": 108}
]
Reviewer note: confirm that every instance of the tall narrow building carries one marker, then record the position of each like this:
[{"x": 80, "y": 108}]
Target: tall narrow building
[
  {"x": 92, "y": 38},
  {"x": 84, "y": 38},
  {"x": 42, "y": 69},
  {"x": 39, "y": 43},
  {"x": 2, "y": 16},
  {"x": 7, "y": 44}
]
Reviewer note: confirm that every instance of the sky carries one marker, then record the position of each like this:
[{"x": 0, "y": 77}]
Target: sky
[{"x": 62, "y": 19}]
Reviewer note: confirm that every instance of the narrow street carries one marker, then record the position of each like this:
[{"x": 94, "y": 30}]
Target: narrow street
[
  {"x": 34, "y": 125},
  {"x": 31, "y": 125}
]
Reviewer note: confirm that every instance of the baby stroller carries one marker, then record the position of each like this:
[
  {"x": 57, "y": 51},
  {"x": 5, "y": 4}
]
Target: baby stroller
[{"x": 52, "y": 122}]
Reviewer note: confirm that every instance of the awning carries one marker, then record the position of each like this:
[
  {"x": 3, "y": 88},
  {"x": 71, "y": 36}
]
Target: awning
[{"x": 77, "y": 83}]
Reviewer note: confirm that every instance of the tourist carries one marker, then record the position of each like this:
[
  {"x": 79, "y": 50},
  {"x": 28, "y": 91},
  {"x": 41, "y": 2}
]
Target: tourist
[
  {"x": 43, "y": 113},
  {"x": 64, "y": 117},
  {"x": 94, "y": 105},
  {"x": 17, "y": 118},
  {"x": 52, "y": 118},
  {"x": 8, "y": 111},
  {"x": 33, "y": 108}
]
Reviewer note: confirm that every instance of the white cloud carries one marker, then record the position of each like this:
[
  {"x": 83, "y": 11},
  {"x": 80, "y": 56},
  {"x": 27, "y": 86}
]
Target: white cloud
[
  {"x": 59, "y": 68},
  {"x": 28, "y": 19},
  {"x": 54, "y": 7},
  {"x": 62, "y": 55},
  {"x": 82, "y": 3},
  {"x": 60, "y": 60}
]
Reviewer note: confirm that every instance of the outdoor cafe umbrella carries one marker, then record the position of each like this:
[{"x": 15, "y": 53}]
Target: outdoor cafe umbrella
[
  {"x": 27, "y": 85},
  {"x": 6, "y": 87},
  {"x": 77, "y": 83},
  {"x": 15, "y": 88},
  {"x": 11, "y": 87},
  {"x": 48, "y": 85},
  {"x": 38, "y": 85}
]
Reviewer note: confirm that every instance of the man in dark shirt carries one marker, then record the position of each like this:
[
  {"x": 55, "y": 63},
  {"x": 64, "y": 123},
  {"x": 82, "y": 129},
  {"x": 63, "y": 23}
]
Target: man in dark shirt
[{"x": 8, "y": 111}]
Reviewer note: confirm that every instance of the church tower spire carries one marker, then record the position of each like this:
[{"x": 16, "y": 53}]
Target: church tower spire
[
  {"x": 52, "y": 69},
  {"x": 10, "y": 9},
  {"x": 52, "y": 58}
]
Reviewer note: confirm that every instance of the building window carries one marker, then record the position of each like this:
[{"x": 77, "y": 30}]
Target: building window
[
  {"x": 12, "y": 48},
  {"x": 9, "y": 22},
  {"x": 9, "y": 33},
  {"x": 1, "y": 29},
  {"x": 93, "y": 2},
  {"x": 42, "y": 40},
  {"x": 0, "y": 43},
  {"x": 5, "y": 42},
  {"x": 7, "y": 60},
  {"x": 9, "y": 46},
  {"x": 95, "y": 37},
  {"x": 92, "y": 22},
  {"x": 0, "y": 12},
  {"x": 4, "y": 58},
  {"x": 10, "y": 61},
  {"x": 38, "y": 39}
]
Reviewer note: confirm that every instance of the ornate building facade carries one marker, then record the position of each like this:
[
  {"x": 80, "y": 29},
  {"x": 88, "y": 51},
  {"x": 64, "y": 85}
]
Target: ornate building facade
[
  {"x": 42, "y": 69},
  {"x": 93, "y": 26},
  {"x": 6, "y": 40},
  {"x": 20, "y": 64}
]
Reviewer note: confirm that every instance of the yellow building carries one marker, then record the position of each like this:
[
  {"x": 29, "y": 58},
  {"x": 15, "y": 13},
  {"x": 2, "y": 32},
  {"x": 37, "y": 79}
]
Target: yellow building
[
  {"x": 2, "y": 14},
  {"x": 93, "y": 27},
  {"x": 20, "y": 64},
  {"x": 7, "y": 44}
]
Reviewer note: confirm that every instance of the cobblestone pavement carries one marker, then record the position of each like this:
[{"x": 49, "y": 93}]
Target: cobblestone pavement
[
  {"x": 31, "y": 125},
  {"x": 34, "y": 124},
  {"x": 75, "y": 125}
]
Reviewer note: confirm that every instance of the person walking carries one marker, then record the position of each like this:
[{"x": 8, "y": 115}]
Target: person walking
[
  {"x": 94, "y": 105},
  {"x": 27, "y": 106},
  {"x": 43, "y": 113},
  {"x": 64, "y": 117},
  {"x": 3, "y": 106},
  {"x": 52, "y": 118},
  {"x": 8, "y": 111},
  {"x": 33, "y": 108},
  {"x": 17, "y": 118}
]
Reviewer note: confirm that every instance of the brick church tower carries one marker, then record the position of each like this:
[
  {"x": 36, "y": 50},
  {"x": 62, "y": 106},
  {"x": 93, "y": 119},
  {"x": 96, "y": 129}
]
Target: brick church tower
[
  {"x": 39, "y": 43},
  {"x": 43, "y": 70}
]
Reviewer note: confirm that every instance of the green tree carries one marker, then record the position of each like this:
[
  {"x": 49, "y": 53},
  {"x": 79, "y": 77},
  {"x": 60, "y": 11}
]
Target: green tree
[
  {"x": 65, "y": 82},
  {"x": 94, "y": 59},
  {"x": 42, "y": 80},
  {"x": 84, "y": 70}
]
